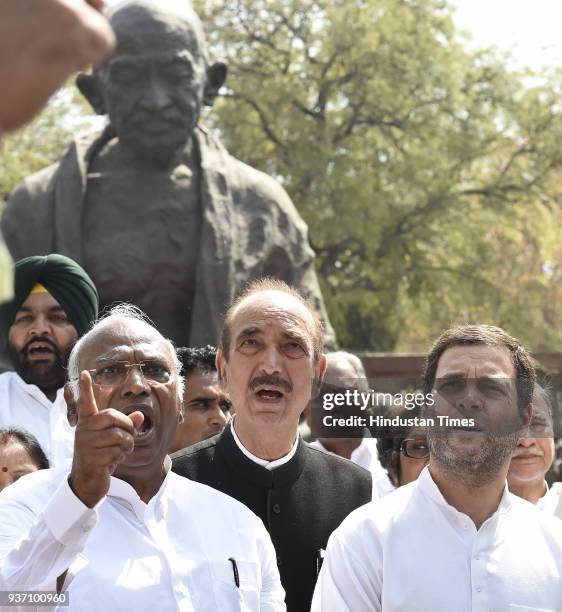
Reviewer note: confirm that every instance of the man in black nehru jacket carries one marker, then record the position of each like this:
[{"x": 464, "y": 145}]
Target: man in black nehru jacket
[{"x": 271, "y": 353}]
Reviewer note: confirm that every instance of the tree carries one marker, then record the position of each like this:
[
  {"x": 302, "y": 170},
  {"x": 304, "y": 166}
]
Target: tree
[{"x": 427, "y": 173}]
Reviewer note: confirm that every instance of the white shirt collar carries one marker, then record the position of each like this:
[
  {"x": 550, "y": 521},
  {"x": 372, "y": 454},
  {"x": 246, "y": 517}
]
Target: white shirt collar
[
  {"x": 35, "y": 392},
  {"x": 269, "y": 465},
  {"x": 126, "y": 495},
  {"x": 427, "y": 485}
]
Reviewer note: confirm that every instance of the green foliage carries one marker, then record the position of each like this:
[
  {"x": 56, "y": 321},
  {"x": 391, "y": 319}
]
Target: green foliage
[{"x": 428, "y": 174}]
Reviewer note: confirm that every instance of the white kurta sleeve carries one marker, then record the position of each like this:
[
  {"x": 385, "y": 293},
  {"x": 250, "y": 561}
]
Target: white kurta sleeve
[
  {"x": 272, "y": 596},
  {"x": 351, "y": 576},
  {"x": 36, "y": 547}
]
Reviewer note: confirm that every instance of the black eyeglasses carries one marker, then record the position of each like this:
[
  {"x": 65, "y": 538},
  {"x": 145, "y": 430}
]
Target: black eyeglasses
[
  {"x": 115, "y": 373},
  {"x": 415, "y": 448}
]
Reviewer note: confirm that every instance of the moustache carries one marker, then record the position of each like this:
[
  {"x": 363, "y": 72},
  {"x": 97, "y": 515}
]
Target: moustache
[
  {"x": 271, "y": 380},
  {"x": 517, "y": 455}
]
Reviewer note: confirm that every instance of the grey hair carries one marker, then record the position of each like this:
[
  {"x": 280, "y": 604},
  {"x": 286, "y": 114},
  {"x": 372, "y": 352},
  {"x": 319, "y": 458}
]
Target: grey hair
[
  {"x": 122, "y": 312},
  {"x": 355, "y": 362}
]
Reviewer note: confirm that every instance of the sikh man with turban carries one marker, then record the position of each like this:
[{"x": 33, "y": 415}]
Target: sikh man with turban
[{"x": 54, "y": 303}]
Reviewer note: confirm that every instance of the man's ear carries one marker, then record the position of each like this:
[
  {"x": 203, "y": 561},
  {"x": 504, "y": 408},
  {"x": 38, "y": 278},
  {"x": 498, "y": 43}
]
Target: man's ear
[
  {"x": 90, "y": 87},
  {"x": 220, "y": 362},
  {"x": 319, "y": 371},
  {"x": 216, "y": 76},
  {"x": 71, "y": 412}
]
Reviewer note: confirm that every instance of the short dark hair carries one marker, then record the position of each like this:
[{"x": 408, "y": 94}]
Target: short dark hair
[
  {"x": 272, "y": 284},
  {"x": 29, "y": 443},
  {"x": 389, "y": 443},
  {"x": 197, "y": 358},
  {"x": 485, "y": 335}
]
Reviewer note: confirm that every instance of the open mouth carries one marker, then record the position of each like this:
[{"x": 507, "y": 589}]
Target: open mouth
[
  {"x": 269, "y": 394},
  {"x": 40, "y": 351},
  {"x": 144, "y": 430}
]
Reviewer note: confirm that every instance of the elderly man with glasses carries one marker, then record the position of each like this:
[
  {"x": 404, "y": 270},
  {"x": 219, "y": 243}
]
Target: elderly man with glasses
[{"x": 121, "y": 531}]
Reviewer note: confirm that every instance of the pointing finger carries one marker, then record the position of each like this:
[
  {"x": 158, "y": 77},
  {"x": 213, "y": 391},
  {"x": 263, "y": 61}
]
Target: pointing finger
[{"x": 86, "y": 405}]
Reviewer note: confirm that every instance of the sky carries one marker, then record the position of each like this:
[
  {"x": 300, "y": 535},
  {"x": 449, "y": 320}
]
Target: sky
[{"x": 530, "y": 29}]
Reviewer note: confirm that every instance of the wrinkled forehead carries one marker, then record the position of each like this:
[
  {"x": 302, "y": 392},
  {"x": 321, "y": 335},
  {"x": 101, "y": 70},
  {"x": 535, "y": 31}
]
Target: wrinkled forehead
[
  {"x": 123, "y": 340},
  {"x": 273, "y": 310},
  {"x": 476, "y": 360},
  {"x": 146, "y": 29}
]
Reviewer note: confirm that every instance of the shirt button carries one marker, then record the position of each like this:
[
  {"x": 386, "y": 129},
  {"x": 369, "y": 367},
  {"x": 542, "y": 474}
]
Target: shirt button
[
  {"x": 276, "y": 508},
  {"x": 86, "y": 528},
  {"x": 478, "y": 589}
]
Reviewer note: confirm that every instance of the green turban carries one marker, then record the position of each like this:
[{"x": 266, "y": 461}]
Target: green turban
[{"x": 64, "y": 279}]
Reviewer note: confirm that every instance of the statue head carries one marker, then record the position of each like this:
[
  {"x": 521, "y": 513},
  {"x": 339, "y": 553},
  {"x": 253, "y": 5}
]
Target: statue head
[{"x": 156, "y": 82}]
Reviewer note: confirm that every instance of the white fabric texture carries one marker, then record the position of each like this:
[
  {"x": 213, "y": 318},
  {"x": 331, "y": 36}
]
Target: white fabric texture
[
  {"x": 27, "y": 407},
  {"x": 411, "y": 551},
  {"x": 171, "y": 554},
  {"x": 551, "y": 501}
]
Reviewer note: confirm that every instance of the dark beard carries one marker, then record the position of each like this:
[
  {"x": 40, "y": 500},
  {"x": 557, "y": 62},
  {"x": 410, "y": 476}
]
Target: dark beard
[{"x": 47, "y": 376}]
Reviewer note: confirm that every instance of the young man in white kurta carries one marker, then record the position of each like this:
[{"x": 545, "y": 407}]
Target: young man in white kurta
[
  {"x": 411, "y": 550},
  {"x": 455, "y": 539}
]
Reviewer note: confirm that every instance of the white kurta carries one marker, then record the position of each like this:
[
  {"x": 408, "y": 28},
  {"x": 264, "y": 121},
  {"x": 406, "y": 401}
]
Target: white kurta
[
  {"x": 412, "y": 551},
  {"x": 551, "y": 501},
  {"x": 171, "y": 554},
  {"x": 366, "y": 456},
  {"x": 27, "y": 407}
]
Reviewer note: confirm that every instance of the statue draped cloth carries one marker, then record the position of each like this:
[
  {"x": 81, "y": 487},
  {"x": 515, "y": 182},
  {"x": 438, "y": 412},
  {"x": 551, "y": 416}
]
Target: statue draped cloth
[{"x": 249, "y": 228}]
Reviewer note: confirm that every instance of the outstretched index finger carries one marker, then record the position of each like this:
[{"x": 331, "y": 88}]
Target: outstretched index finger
[{"x": 86, "y": 405}]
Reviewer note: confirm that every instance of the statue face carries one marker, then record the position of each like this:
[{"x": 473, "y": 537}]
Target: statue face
[{"x": 153, "y": 86}]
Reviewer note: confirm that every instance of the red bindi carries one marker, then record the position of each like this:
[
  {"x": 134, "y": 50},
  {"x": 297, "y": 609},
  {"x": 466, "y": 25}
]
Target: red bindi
[{"x": 4, "y": 469}]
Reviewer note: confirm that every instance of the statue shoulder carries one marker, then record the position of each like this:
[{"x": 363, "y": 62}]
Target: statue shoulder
[
  {"x": 32, "y": 203},
  {"x": 247, "y": 184},
  {"x": 255, "y": 191},
  {"x": 33, "y": 187},
  {"x": 37, "y": 185},
  {"x": 29, "y": 206}
]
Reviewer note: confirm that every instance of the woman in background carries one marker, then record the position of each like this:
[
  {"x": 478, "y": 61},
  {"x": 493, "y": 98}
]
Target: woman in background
[
  {"x": 20, "y": 454},
  {"x": 403, "y": 454}
]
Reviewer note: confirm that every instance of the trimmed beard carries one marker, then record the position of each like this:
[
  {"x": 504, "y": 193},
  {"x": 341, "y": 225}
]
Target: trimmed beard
[
  {"x": 480, "y": 466},
  {"x": 47, "y": 376}
]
